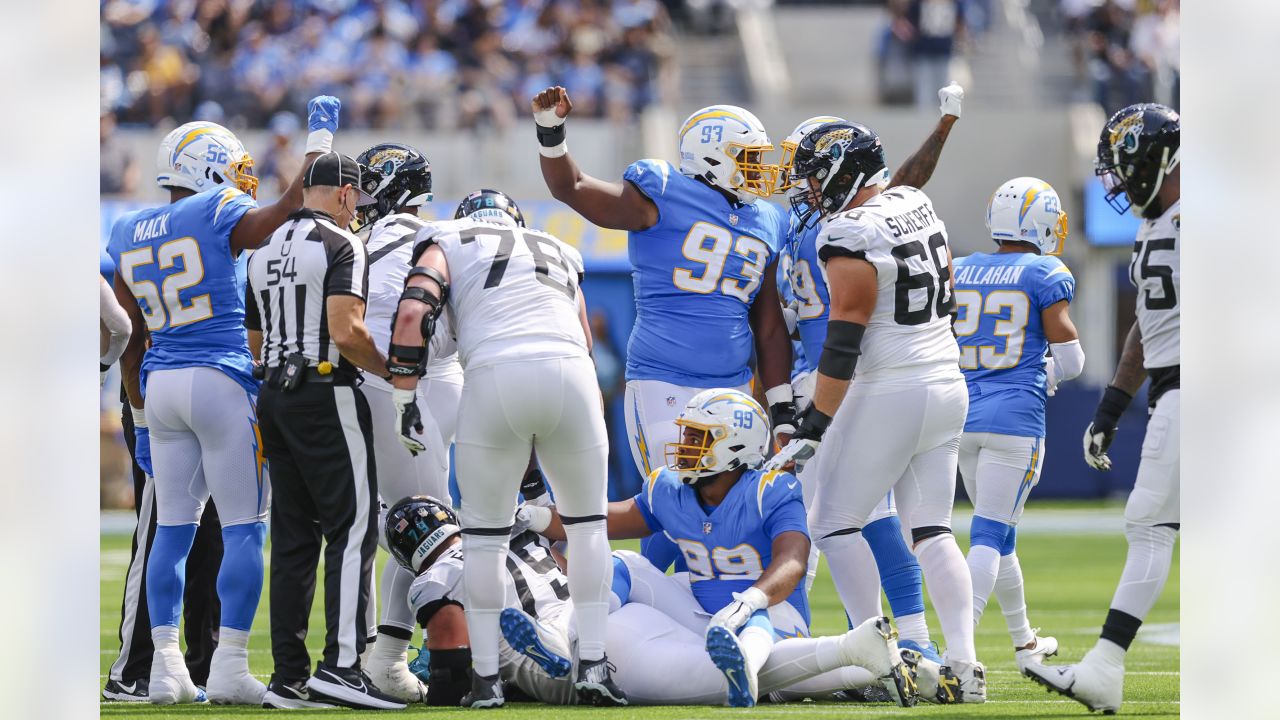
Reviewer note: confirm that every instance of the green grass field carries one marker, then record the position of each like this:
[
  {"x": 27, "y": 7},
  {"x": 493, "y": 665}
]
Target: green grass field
[{"x": 1070, "y": 574}]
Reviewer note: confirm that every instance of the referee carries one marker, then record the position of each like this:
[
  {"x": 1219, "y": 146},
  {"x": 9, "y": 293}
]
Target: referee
[{"x": 305, "y": 312}]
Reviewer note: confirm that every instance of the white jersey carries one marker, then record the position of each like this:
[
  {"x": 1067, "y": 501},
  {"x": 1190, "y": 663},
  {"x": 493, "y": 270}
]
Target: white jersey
[
  {"x": 390, "y": 245},
  {"x": 909, "y": 335},
  {"x": 1156, "y": 270},
  {"x": 513, "y": 292}
]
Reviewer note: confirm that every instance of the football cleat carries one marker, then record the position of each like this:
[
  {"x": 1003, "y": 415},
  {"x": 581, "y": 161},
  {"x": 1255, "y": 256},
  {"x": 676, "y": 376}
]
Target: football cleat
[
  {"x": 1044, "y": 647},
  {"x": 294, "y": 695},
  {"x": 521, "y": 634},
  {"x": 120, "y": 691},
  {"x": 350, "y": 688},
  {"x": 726, "y": 653},
  {"x": 1094, "y": 683},
  {"x": 170, "y": 682},
  {"x": 420, "y": 665},
  {"x": 486, "y": 692},
  {"x": 229, "y": 680},
  {"x": 873, "y": 646},
  {"x": 595, "y": 684},
  {"x": 927, "y": 663},
  {"x": 393, "y": 677},
  {"x": 868, "y": 694},
  {"x": 967, "y": 684}
]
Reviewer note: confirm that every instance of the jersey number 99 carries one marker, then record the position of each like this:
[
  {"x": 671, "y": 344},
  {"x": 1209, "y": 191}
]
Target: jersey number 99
[{"x": 738, "y": 563}]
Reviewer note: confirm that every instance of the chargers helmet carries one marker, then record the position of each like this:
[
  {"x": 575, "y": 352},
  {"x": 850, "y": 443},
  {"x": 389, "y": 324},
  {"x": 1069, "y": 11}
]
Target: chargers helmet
[
  {"x": 397, "y": 176},
  {"x": 735, "y": 434},
  {"x": 490, "y": 205},
  {"x": 725, "y": 146},
  {"x": 844, "y": 157},
  {"x": 202, "y": 155},
  {"x": 1136, "y": 152},
  {"x": 785, "y": 181},
  {"x": 415, "y": 527},
  {"x": 1027, "y": 209}
]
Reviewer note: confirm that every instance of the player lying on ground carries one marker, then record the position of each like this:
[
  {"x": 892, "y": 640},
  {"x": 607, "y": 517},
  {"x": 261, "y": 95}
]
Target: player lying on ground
[{"x": 743, "y": 536}]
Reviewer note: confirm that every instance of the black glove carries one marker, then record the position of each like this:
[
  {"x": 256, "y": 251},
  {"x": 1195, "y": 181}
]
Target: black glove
[{"x": 782, "y": 416}]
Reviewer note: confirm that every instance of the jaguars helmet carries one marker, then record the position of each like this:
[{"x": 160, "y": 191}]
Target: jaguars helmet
[
  {"x": 725, "y": 145},
  {"x": 415, "y": 527},
  {"x": 786, "y": 184},
  {"x": 1027, "y": 209},
  {"x": 203, "y": 155},
  {"x": 397, "y": 176},
  {"x": 490, "y": 205},
  {"x": 843, "y": 157},
  {"x": 1138, "y": 149},
  {"x": 735, "y": 434}
]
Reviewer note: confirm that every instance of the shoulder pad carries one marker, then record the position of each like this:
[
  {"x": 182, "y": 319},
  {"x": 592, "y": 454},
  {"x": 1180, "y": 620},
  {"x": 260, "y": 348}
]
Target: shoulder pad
[{"x": 653, "y": 177}]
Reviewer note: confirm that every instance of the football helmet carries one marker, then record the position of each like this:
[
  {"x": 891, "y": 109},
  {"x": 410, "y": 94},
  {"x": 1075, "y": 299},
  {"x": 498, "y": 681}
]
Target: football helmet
[
  {"x": 1136, "y": 152},
  {"x": 725, "y": 146},
  {"x": 734, "y": 434},
  {"x": 785, "y": 182},
  {"x": 415, "y": 527},
  {"x": 1028, "y": 209},
  {"x": 844, "y": 157},
  {"x": 490, "y": 205},
  {"x": 397, "y": 176},
  {"x": 202, "y": 155}
]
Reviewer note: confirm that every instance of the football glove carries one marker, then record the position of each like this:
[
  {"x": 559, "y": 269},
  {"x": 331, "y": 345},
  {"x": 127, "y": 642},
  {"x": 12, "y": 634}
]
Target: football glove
[
  {"x": 322, "y": 113},
  {"x": 103, "y": 369},
  {"x": 951, "y": 97},
  {"x": 737, "y": 613},
  {"x": 782, "y": 410},
  {"x": 1100, "y": 433},
  {"x": 408, "y": 418},
  {"x": 141, "y": 442},
  {"x": 1050, "y": 377},
  {"x": 531, "y": 517},
  {"x": 804, "y": 444}
]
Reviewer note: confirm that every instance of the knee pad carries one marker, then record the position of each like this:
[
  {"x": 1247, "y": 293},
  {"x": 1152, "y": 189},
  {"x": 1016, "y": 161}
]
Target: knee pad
[
  {"x": 1010, "y": 542},
  {"x": 921, "y": 534},
  {"x": 990, "y": 533},
  {"x": 621, "y": 584}
]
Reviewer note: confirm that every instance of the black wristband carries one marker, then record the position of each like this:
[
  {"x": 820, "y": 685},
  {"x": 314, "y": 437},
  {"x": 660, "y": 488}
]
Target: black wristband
[
  {"x": 103, "y": 367},
  {"x": 551, "y": 136},
  {"x": 813, "y": 425},
  {"x": 1112, "y": 405}
]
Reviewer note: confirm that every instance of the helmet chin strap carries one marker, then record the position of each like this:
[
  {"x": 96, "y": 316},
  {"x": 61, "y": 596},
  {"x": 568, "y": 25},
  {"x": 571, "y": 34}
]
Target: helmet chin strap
[{"x": 1167, "y": 164}]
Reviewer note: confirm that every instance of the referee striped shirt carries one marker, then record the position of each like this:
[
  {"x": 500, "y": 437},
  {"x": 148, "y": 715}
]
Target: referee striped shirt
[{"x": 306, "y": 261}]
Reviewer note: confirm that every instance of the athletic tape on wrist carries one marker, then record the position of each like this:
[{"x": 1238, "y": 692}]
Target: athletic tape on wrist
[
  {"x": 319, "y": 141},
  {"x": 139, "y": 416},
  {"x": 553, "y": 152},
  {"x": 779, "y": 394}
]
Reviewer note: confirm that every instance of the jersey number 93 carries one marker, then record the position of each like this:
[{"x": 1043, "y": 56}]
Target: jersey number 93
[{"x": 709, "y": 246}]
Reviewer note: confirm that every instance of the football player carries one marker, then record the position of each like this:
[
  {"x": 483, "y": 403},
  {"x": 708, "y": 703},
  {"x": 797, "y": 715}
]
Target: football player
[
  {"x": 175, "y": 275},
  {"x": 703, "y": 251},
  {"x": 113, "y": 329},
  {"x": 888, "y": 269},
  {"x": 1138, "y": 161},
  {"x": 743, "y": 536},
  {"x": 884, "y": 549},
  {"x": 514, "y": 299},
  {"x": 1012, "y": 307},
  {"x": 398, "y": 178}
]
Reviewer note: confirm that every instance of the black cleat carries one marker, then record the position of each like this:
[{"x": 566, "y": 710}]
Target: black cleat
[
  {"x": 349, "y": 687},
  {"x": 486, "y": 692},
  {"x": 133, "y": 691},
  {"x": 595, "y": 684},
  {"x": 868, "y": 694},
  {"x": 294, "y": 695}
]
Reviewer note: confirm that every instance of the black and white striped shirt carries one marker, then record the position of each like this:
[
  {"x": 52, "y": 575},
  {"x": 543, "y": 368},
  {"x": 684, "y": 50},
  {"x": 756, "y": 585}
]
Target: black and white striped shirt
[{"x": 304, "y": 262}]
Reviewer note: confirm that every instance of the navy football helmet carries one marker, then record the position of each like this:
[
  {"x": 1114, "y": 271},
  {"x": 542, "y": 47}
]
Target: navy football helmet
[
  {"x": 397, "y": 176},
  {"x": 490, "y": 204},
  {"x": 844, "y": 157},
  {"x": 416, "y": 527},
  {"x": 1137, "y": 151}
]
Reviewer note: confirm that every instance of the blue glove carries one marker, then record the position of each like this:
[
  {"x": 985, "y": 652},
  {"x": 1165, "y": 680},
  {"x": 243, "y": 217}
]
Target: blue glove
[
  {"x": 142, "y": 449},
  {"x": 322, "y": 113}
]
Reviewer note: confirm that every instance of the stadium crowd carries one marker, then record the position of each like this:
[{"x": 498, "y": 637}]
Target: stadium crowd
[
  {"x": 432, "y": 63},
  {"x": 1124, "y": 50}
]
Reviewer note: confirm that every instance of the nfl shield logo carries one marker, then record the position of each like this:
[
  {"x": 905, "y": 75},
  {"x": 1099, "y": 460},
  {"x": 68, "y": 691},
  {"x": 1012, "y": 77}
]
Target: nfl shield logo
[
  {"x": 671, "y": 401},
  {"x": 733, "y": 219},
  {"x": 706, "y": 528}
]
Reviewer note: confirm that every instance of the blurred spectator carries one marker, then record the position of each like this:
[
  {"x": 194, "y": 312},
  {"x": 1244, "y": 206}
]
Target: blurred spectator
[
  {"x": 1075, "y": 22},
  {"x": 433, "y": 63},
  {"x": 281, "y": 162},
  {"x": 936, "y": 26},
  {"x": 118, "y": 172},
  {"x": 1119, "y": 78},
  {"x": 895, "y": 83},
  {"x": 1155, "y": 43}
]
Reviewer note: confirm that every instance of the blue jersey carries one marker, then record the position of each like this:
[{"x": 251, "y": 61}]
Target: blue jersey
[
  {"x": 695, "y": 274},
  {"x": 178, "y": 262},
  {"x": 799, "y": 360},
  {"x": 809, "y": 285},
  {"x": 726, "y": 547},
  {"x": 999, "y": 299}
]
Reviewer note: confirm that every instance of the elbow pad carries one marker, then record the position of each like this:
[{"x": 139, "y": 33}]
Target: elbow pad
[
  {"x": 1068, "y": 360},
  {"x": 841, "y": 350},
  {"x": 408, "y": 360},
  {"x": 450, "y": 677}
]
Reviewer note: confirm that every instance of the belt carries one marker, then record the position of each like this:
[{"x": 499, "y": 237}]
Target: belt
[{"x": 275, "y": 376}]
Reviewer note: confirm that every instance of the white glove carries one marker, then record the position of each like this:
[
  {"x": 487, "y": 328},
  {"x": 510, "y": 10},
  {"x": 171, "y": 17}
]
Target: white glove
[
  {"x": 408, "y": 418},
  {"x": 102, "y": 374},
  {"x": 531, "y": 517},
  {"x": 1050, "y": 376},
  {"x": 798, "y": 451},
  {"x": 1096, "y": 444},
  {"x": 791, "y": 316},
  {"x": 737, "y": 613},
  {"x": 951, "y": 97}
]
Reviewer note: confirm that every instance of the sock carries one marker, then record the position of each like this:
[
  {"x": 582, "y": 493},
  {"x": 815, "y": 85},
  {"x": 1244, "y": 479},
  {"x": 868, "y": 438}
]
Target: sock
[
  {"x": 951, "y": 590},
  {"x": 913, "y": 627},
  {"x": 164, "y": 637},
  {"x": 1108, "y": 652},
  {"x": 482, "y": 579},
  {"x": 1146, "y": 567},
  {"x": 899, "y": 570},
  {"x": 852, "y": 567},
  {"x": 230, "y": 637},
  {"x": 231, "y": 657},
  {"x": 620, "y": 586},
  {"x": 757, "y": 638},
  {"x": 396, "y": 612},
  {"x": 1013, "y": 602},
  {"x": 240, "y": 577},
  {"x": 986, "y": 538},
  {"x": 392, "y": 644},
  {"x": 590, "y": 578},
  {"x": 167, "y": 572}
]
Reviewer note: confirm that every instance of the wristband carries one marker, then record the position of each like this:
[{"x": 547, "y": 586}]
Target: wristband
[
  {"x": 139, "y": 416},
  {"x": 814, "y": 424},
  {"x": 319, "y": 141},
  {"x": 778, "y": 394},
  {"x": 1111, "y": 407},
  {"x": 551, "y": 133}
]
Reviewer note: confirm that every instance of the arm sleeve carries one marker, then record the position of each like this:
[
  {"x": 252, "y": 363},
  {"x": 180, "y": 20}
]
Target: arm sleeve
[
  {"x": 782, "y": 506},
  {"x": 651, "y": 178},
  {"x": 1057, "y": 284},
  {"x": 228, "y": 206},
  {"x": 348, "y": 272},
  {"x": 116, "y": 321}
]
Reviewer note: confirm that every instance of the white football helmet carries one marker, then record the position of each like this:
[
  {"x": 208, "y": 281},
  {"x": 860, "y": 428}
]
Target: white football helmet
[
  {"x": 202, "y": 155},
  {"x": 725, "y": 145},
  {"x": 735, "y": 433},
  {"x": 1027, "y": 209},
  {"x": 789, "y": 146}
]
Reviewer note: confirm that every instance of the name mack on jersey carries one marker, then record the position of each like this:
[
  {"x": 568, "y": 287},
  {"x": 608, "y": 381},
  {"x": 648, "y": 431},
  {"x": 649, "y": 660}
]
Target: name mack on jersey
[{"x": 157, "y": 226}]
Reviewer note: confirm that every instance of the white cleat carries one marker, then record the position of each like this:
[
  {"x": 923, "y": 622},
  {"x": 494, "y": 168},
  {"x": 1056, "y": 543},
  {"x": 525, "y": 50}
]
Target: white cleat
[
  {"x": 391, "y": 675},
  {"x": 873, "y": 645},
  {"x": 1044, "y": 647},
  {"x": 229, "y": 680},
  {"x": 170, "y": 682},
  {"x": 970, "y": 683},
  {"x": 1093, "y": 682}
]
